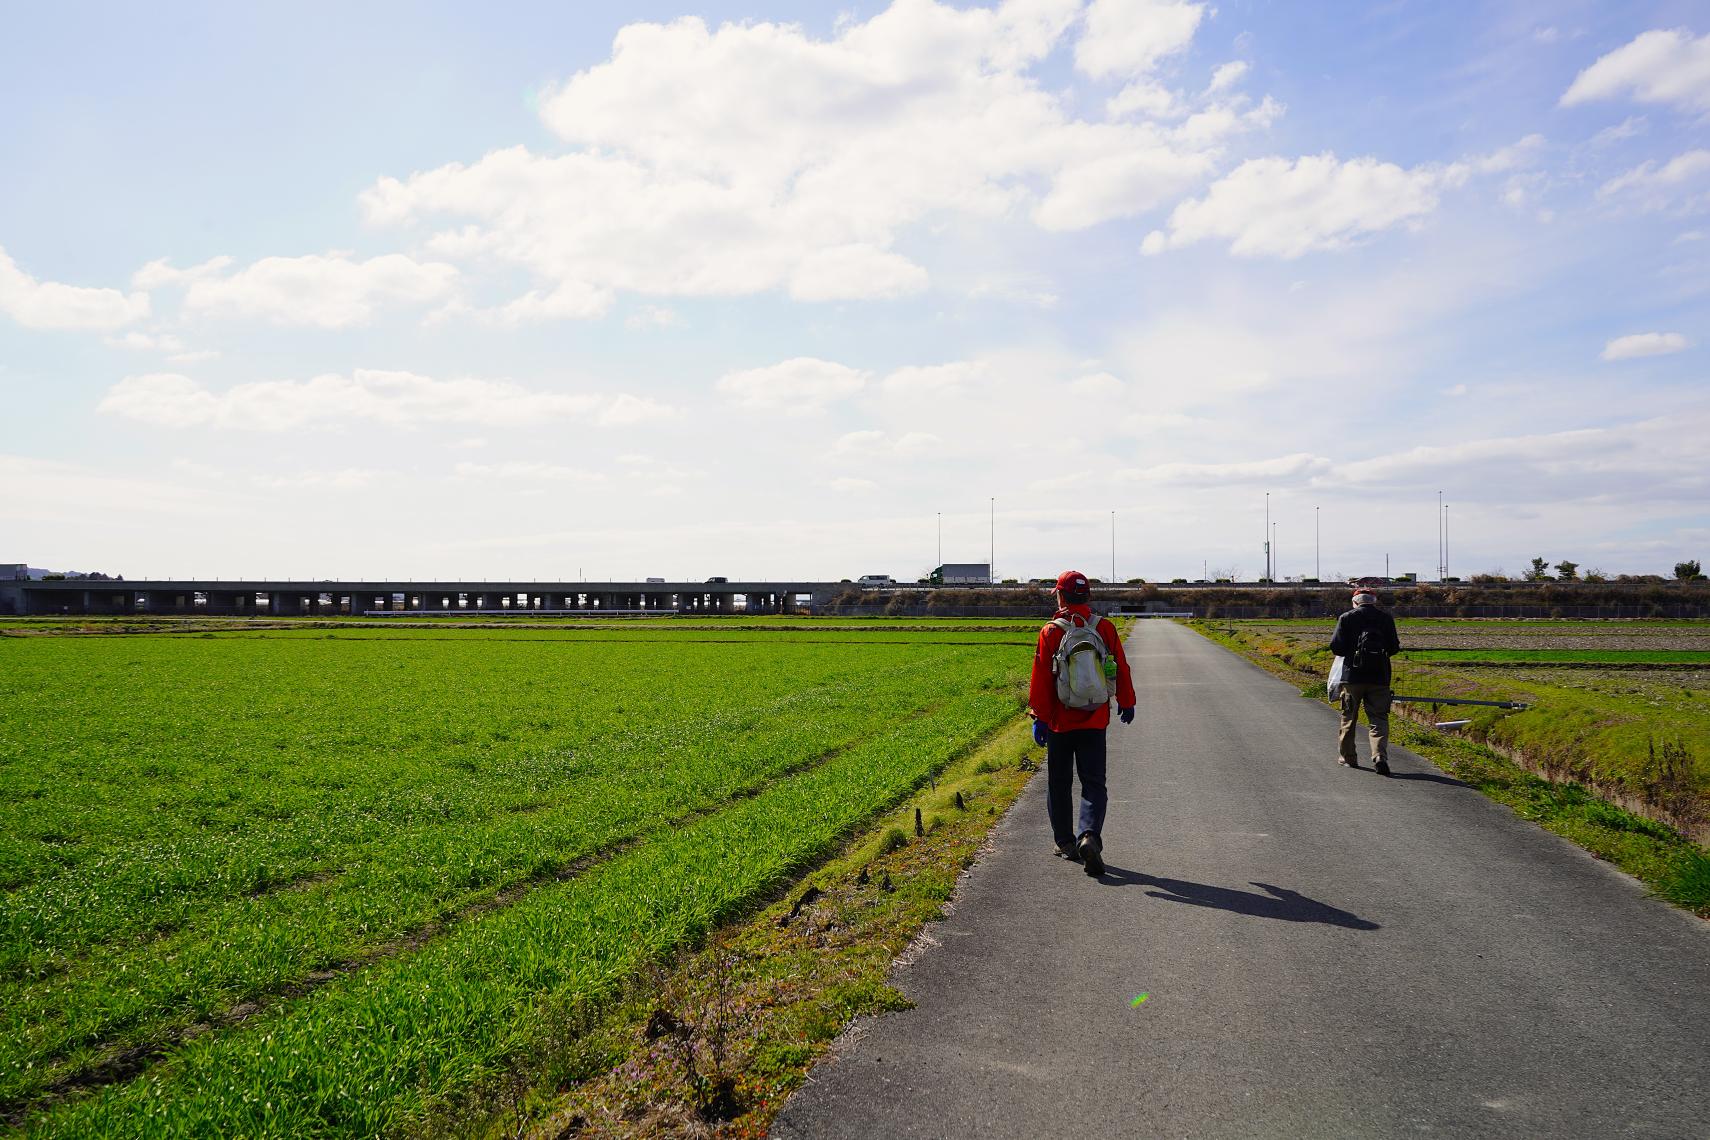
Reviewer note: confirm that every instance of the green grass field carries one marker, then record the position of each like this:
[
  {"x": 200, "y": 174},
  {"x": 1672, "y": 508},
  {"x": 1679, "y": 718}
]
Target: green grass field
[{"x": 318, "y": 881}]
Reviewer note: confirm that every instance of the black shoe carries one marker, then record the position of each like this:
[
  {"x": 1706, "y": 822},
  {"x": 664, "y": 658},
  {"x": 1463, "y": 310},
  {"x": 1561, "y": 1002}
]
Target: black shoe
[
  {"x": 1092, "y": 854},
  {"x": 1381, "y": 767},
  {"x": 1347, "y": 763},
  {"x": 1069, "y": 852}
]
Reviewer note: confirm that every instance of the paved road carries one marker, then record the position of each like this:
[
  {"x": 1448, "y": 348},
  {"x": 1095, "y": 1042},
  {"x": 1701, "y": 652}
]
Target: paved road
[{"x": 1327, "y": 953}]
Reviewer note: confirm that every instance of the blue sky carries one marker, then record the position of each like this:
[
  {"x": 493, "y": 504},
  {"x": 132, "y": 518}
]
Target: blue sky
[{"x": 421, "y": 289}]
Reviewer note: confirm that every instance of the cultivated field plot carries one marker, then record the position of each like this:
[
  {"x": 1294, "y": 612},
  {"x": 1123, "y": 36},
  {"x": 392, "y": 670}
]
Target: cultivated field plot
[
  {"x": 317, "y": 881},
  {"x": 1623, "y": 705}
]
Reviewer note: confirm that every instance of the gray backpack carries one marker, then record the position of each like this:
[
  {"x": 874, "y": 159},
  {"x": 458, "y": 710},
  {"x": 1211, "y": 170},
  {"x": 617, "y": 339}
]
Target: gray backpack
[{"x": 1078, "y": 664}]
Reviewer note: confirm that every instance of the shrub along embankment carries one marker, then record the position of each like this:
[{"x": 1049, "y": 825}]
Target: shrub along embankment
[
  {"x": 1614, "y": 600},
  {"x": 1625, "y": 600}
]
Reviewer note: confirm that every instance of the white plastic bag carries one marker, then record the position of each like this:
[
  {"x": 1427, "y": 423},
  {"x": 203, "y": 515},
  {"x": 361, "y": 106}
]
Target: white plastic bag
[{"x": 1334, "y": 688}]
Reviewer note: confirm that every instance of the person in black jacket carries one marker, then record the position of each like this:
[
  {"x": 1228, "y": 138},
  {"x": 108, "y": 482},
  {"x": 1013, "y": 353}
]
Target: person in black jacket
[{"x": 1365, "y": 639}]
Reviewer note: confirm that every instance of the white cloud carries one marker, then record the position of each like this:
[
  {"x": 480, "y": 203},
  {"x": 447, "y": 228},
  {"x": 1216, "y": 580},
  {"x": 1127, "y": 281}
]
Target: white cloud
[
  {"x": 49, "y": 490},
  {"x": 1517, "y": 156},
  {"x": 756, "y": 157},
  {"x": 1278, "y": 208},
  {"x": 330, "y": 291},
  {"x": 1143, "y": 97},
  {"x": 847, "y": 272},
  {"x": 800, "y": 386},
  {"x": 869, "y": 444},
  {"x": 1658, "y": 186},
  {"x": 1130, "y": 37},
  {"x": 51, "y": 305},
  {"x": 1099, "y": 385},
  {"x": 527, "y": 472},
  {"x": 1662, "y": 66},
  {"x": 167, "y": 343},
  {"x": 397, "y": 399},
  {"x": 917, "y": 443},
  {"x": 920, "y": 378},
  {"x": 849, "y": 484},
  {"x": 1644, "y": 344},
  {"x": 1287, "y": 467},
  {"x": 347, "y": 478},
  {"x": 1630, "y": 127},
  {"x": 1026, "y": 290},
  {"x": 858, "y": 443},
  {"x": 573, "y": 300},
  {"x": 147, "y": 342},
  {"x": 627, "y": 409},
  {"x": 1118, "y": 184},
  {"x": 1227, "y": 76},
  {"x": 160, "y": 273},
  {"x": 1658, "y": 457},
  {"x": 653, "y": 317}
]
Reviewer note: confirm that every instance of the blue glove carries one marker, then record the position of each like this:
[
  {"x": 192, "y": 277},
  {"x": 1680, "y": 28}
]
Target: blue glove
[
  {"x": 1040, "y": 733},
  {"x": 1126, "y": 714}
]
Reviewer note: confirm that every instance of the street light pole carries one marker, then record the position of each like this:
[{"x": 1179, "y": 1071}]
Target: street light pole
[
  {"x": 1317, "y": 567},
  {"x": 1439, "y": 536},
  {"x": 991, "y": 555},
  {"x": 1113, "y": 547},
  {"x": 941, "y": 538},
  {"x": 1268, "y": 575}
]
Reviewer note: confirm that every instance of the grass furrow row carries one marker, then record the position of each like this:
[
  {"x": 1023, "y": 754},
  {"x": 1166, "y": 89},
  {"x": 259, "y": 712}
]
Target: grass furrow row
[
  {"x": 373, "y": 1049},
  {"x": 62, "y": 1022}
]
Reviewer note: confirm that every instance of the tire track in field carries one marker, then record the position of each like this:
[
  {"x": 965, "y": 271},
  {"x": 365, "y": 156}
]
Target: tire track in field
[{"x": 121, "y": 1063}]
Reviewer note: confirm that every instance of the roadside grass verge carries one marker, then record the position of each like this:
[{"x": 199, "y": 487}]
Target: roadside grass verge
[
  {"x": 1601, "y": 657},
  {"x": 712, "y": 1042},
  {"x": 1570, "y": 724}
]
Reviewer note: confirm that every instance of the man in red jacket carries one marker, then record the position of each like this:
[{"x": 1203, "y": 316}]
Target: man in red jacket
[{"x": 1074, "y": 736}]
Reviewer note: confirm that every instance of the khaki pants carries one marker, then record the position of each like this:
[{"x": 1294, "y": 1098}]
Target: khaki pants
[{"x": 1375, "y": 700}]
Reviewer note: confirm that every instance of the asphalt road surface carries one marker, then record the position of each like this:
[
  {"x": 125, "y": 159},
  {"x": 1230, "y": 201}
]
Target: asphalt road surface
[{"x": 1326, "y": 952}]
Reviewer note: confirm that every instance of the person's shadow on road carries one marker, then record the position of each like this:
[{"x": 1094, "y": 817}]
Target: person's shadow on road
[
  {"x": 1290, "y": 906},
  {"x": 1432, "y": 777}
]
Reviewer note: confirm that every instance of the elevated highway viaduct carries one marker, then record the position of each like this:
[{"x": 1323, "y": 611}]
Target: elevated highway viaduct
[{"x": 285, "y": 598}]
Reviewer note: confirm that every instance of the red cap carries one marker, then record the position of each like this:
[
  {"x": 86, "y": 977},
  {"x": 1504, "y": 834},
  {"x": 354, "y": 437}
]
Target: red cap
[{"x": 1073, "y": 582}]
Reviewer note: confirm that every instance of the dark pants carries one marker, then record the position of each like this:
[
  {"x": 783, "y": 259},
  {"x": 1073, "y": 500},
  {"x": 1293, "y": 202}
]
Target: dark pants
[{"x": 1065, "y": 754}]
